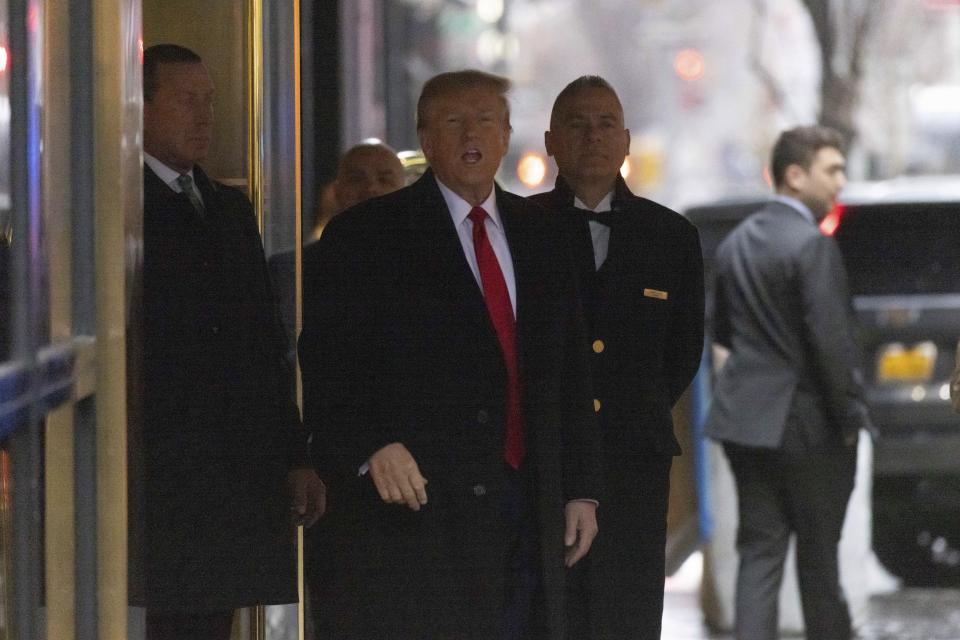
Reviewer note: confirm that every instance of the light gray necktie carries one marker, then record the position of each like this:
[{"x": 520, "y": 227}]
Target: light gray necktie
[{"x": 186, "y": 186}]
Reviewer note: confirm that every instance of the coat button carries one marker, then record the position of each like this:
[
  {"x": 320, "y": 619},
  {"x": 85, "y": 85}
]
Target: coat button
[
  {"x": 596, "y": 405},
  {"x": 598, "y": 346},
  {"x": 479, "y": 490},
  {"x": 482, "y": 416}
]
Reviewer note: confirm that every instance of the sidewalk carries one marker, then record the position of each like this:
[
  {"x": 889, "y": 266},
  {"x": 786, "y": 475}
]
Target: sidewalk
[{"x": 907, "y": 614}]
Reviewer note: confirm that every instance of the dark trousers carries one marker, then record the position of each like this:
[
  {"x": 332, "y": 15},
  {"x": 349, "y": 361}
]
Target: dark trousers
[
  {"x": 616, "y": 592},
  {"x": 190, "y": 625},
  {"x": 521, "y": 608},
  {"x": 779, "y": 495}
]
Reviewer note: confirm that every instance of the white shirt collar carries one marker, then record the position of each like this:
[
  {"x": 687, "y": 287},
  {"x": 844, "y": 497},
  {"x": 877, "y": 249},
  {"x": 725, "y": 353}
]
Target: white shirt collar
[
  {"x": 604, "y": 205},
  {"x": 796, "y": 205},
  {"x": 165, "y": 173},
  {"x": 460, "y": 208}
]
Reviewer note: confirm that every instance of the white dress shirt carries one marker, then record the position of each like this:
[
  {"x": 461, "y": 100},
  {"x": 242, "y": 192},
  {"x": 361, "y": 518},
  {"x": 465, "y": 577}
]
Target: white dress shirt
[
  {"x": 599, "y": 232},
  {"x": 168, "y": 175},
  {"x": 459, "y": 210}
]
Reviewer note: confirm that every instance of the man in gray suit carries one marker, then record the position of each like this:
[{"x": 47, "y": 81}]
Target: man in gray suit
[{"x": 788, "y": 403}]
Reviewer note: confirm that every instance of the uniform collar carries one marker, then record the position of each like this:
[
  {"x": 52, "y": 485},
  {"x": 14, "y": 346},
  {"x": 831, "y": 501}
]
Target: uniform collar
[{"x": 614, "y": 201}]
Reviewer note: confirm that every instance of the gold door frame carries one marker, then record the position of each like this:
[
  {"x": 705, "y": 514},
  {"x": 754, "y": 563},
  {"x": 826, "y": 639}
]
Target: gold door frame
[{"x": 256, "y": 188}]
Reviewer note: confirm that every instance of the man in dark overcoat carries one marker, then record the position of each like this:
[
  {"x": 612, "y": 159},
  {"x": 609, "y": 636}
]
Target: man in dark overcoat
[
  {"x": 222, "y": 459},
  {"x": 445, "y": 378},
  {"x": 642, "y": 280},
  {"x": 788, "y": 402}
]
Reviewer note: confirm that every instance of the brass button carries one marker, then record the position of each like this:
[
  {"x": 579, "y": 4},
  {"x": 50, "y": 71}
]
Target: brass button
[
  {"x": 482, "y": 416},
  {"x": 596, "y": 405},
  {"x": 598, "y": 346},
  {"x": 479, "y": 490}
]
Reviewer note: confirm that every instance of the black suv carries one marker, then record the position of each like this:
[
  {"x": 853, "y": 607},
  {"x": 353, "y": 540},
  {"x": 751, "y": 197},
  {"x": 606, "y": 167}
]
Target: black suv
[{"x": 900, "y": 240}]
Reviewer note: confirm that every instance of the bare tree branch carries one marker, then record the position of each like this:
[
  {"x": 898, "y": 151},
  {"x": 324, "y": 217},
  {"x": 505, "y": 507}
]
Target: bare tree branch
[
  {"x": 767, "y": 79},
  {"x": 840, "y": 84}
]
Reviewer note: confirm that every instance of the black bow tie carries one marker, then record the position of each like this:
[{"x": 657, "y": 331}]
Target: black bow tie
[{"x": 603, "y": 217}]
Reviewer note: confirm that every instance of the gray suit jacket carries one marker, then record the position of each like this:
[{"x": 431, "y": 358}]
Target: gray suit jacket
[{"x": 783, "y": 310}]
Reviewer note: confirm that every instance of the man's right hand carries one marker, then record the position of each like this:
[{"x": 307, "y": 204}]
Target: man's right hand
[{"x": 397, "y": 477}]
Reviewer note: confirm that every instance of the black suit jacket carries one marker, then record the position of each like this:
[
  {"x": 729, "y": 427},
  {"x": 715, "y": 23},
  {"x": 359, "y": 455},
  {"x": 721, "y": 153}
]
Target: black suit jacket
[
  {"x": 219, "y": 428},
  {"x": 397, "y": 346},
  {"x": 647, "y": 314},
  {"x": 783, "y": 310}
]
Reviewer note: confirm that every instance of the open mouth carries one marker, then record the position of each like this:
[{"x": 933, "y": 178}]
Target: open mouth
[{"x": 472, "y": 156}]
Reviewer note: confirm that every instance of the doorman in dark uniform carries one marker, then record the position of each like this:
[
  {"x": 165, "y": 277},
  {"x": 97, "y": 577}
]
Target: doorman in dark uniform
[
  {"x": 445, "y": 370},
  {"x": 642, "y": 277},
  {"x": 222, "y": 458}
]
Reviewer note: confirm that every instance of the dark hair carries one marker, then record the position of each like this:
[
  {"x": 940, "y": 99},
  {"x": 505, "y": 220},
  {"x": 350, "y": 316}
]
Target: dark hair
[
  {"x": 159, "y": 54},
  {"x": 580, "y": 84},
  {"x": 798, "y": 146},
  {"x": 446, "y": 83}
]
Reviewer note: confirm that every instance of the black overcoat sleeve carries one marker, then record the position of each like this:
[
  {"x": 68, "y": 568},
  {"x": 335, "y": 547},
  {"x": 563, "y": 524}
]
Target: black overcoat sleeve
[{"x": 682, "y": 354}]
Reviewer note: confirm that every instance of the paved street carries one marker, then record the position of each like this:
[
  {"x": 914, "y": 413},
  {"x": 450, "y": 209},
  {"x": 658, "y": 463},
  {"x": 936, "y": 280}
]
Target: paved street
[{"x": 909, "y": 614}]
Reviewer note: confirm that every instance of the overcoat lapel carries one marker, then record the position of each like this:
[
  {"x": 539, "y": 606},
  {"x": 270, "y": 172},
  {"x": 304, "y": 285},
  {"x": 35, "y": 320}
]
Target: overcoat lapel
[
  {"x": 513, "y": 229},
  {"x": 432, "y": 242},
  {"x": 623, "y": 227},
  {"x": 209, "y": 192},
  {"x": 433, "y": 236}
]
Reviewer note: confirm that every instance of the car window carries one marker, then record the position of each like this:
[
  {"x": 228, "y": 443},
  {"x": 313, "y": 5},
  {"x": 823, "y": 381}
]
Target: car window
[{"x": 901, "y": 248}]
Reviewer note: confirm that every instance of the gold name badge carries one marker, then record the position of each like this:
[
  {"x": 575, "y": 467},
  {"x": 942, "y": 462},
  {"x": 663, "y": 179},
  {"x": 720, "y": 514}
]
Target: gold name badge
[{"x": 655, "y": 293}]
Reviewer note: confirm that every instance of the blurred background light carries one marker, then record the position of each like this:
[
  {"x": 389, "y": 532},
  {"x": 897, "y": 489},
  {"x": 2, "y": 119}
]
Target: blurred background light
[
  {"x": 689, "y": 64},
  {"x": 490, "y": 10},
  {"x": 532, "y": 169}
]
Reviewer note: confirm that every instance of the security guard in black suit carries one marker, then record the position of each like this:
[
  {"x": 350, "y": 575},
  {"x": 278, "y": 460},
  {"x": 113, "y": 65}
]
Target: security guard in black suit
[
  {"x": 642, "y": 276},
  {"x": 221, "y": 462}
]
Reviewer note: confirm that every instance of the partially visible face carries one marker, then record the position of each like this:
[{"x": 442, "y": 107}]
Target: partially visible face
[
  {"x": 464, "y": 137},
  {"x": 587, "y": 137},
  {"x": 819, "y": 186},
  {"x": 178, "y": 121},
  {"x": 367, "y": 172}
]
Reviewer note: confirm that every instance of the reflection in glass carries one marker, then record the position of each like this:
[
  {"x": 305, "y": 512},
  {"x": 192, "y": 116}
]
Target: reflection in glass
[
  {"x": 5, "y": 530},
  {"x": 4, "y": 289},
  {"x": 6, "y": 224}
]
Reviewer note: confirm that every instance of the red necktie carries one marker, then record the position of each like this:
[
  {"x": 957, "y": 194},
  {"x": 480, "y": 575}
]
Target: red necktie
[{"x": 497, "y": 297}]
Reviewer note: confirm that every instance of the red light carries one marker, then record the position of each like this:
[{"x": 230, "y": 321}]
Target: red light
[
  {"x": 140, "y": 49},
  {"x": 689, "y": 64},
  {"x": 3, "y": 59},
  {"x": 830, "y": 223}
]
